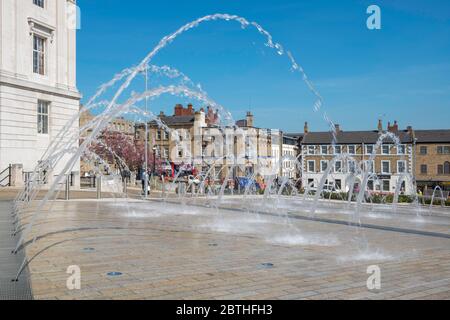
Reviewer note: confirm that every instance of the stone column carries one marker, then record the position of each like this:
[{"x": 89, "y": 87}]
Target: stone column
[
  {"x": 76, "y": 180},
  {"x": 17, "y": 175}
]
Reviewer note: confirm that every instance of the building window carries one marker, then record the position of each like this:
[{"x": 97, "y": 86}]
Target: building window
[
  {"x": 323, "y": 165},
  {"x": 447, "y": 167},
  {"x": 42, "y": 117},
  {"x": 351, "y": 149},
  {"x": 38, "y": 55},
  {"x": 311, "y": 182},
  {"x": 401, "y": 166},
  {"x": 401, "y": 149},
  {"x": 385, "y": 149},
  {"x": 217, "y": 170},
  {"x": 440, "y": 169},
  {"x": 423, "y": 150},
  {"x": 370, "y": 185},
  {"x": 337, "y": 149},
  {"x": 39, "y": 3},
  {"x": 369, "y": 149},
  {"x": 338, "y": 184},
  {"x": 311, "y": 166},
  {"x": 180, "y": 153},
  {"x": 369, "y": 166},
  {"x": 166, "y": 135},
  {"x": 351, "y": 166},
  {"x": 158, "y": 135},
  {"x": 443, "y": 149},
  {"x": 386, "y": 185},
  {"x": 386, "y": 166},
  {"x": 338, "y": 166},
  {"x": 165, "y": 152},
  {"x": 423, "y": 169},
  {"x": 311, "y": 150},
  {"x": 324, "y": 149}
]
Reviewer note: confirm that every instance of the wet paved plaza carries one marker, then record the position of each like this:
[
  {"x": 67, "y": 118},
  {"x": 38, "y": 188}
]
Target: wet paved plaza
[{"x": 189, "y": 251}]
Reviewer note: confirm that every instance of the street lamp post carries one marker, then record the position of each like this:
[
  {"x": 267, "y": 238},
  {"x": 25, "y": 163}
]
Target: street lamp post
[{"x": 146, "y": 186}]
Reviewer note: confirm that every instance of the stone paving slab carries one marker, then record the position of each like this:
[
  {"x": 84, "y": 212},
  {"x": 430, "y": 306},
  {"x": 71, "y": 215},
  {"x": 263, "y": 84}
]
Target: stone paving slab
[
  {"x": 9, "y": 263},
  {"x": 176, "y": 251}
]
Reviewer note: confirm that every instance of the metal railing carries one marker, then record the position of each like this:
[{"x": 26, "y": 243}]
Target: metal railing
[{"x": 5, "y": 177}]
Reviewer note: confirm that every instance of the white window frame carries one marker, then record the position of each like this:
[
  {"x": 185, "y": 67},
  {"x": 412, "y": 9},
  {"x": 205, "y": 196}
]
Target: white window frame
[
  {"x": 366, "y": 162},
  {"x": 39, "y": 3},
  {"x": 404, "y": 150},
  {"x": 382, "y": 166},
  {"x": 348, "y": 149},
  {"x": 389, "y": 149},
  {"x": 334, "y": 149},
  {"x": 382, "y": 185},
  {"x": 40, "y": 68},
  {"x": 340, "y": 170},
  {"x": 43, "y": 115},
  {"x": 321, "y": 150},
  {"x": 366, "y": 149},
  {"x": 349, "y": 162},
  {"x": 314, "y": 166},
  {"x": 404, "y": 164},
  {"x": 311, "y": 148}
]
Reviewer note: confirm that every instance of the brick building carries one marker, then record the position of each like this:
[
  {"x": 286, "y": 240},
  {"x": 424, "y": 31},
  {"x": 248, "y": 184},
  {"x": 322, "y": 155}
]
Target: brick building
[
  {"x": 353, "y": 149},
  {"x": 196, "y": 140}
]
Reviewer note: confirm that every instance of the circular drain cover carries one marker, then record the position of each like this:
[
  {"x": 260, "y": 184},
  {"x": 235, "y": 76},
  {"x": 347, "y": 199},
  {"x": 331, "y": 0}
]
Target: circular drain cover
[
  {"x": 88, "y": 249},
  {"x": 267, "y": 265},
  {"x": 114, "y": 274},
  {"x": 213, "y": 244}
]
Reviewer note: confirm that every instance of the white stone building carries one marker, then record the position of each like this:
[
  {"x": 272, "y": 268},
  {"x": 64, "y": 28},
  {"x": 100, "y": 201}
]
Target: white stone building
[
  {"x": 290, "y": 169},
  {"x": 38, "y": 92}
]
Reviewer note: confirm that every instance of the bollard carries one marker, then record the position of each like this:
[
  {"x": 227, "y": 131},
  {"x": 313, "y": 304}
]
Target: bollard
[
  {"x": 125, "y": 187},
  {"x": 28, "y": 196},
  {"x": 67, "y": 196},
  {"x": 98, "y": 182}
]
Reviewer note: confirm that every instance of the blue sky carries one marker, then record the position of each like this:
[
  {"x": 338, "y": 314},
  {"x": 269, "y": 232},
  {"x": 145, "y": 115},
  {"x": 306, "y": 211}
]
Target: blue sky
[{"x": 401, "y": 72}]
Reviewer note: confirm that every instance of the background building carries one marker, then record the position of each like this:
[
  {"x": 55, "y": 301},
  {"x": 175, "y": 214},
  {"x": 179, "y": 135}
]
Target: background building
[
  {"x": 201, "y": 144},
  {"x": 38, "y": 92},
  {"x": 390, "y": 163},
  {"x": 432, "y": 159}
]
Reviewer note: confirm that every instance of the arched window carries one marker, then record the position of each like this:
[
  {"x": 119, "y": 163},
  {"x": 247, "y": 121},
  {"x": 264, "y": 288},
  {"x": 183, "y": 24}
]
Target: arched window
[{"x": 447, "y": 167}]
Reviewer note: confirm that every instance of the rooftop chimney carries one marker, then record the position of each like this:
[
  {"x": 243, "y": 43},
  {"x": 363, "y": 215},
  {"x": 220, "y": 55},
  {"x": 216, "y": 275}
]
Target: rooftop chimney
[
  {"x": 305, "y": 128},
  {"x": 337, "y": 127},
  {"x": 180, "y": 111},
  {"x": 393, "y": 128},
  {"x": 212, "y": 117},
  {"x": 161, "y": 114},
  {"x": 380, "y": 126}
]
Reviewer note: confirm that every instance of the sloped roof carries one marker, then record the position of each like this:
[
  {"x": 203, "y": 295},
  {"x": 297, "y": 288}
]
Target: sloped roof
[
  {"x": 241, "y": 123},
  {"x": 294, "y": 135},
  {"x": 431, "y": 136},
  {"x": 350, "y": 137},
  {"x": 175, "y": 120}
]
